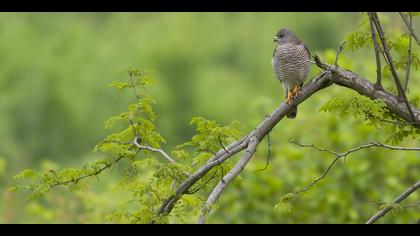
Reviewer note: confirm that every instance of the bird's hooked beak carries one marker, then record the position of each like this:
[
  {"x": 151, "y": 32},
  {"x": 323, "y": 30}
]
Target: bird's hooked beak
[{"x": 276, "y": 39}]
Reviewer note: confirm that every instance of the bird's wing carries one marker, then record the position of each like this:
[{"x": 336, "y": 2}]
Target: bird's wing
[
  {"x": 272, "y": 61},
  {"x": 307, "y": 50}
]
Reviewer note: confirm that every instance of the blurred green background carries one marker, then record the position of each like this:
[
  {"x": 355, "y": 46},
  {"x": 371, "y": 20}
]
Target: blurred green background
[{"x": 54, "y": 99}]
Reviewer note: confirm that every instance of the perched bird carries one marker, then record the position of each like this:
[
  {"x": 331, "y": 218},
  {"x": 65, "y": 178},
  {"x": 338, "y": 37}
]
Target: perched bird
[{"x": 290, "y": 64}]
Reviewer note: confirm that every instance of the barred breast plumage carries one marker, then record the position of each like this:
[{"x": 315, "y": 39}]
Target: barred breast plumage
[{"x": 290, "y": 64}]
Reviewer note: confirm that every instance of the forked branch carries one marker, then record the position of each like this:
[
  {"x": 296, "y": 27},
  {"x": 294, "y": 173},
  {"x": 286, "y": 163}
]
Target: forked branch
[{"x": 344, "y": 155}]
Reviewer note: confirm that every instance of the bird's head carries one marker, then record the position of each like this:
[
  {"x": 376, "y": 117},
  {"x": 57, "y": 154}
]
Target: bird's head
[{"x": 285, "y": 36}]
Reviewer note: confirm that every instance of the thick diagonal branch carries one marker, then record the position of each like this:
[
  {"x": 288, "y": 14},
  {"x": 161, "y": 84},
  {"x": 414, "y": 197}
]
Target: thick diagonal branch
[
  {"x": 361, "y": 85},
  {"x": 259, "y": 133},
  {"x": 397, "y": 200},
  {"x": 228, "y": 178}
]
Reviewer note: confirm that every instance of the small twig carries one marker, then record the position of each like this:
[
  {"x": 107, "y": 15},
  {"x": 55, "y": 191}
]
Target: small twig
[
  {"x": 407, "y": 71},
  {"x": 368, "y": 145},
  {"x": 223, "y": 173},
  {"x": 338, "y": 52},
  {"x": 96, "y": 173},
  {"x": 135, "y": 143},
  {"x": 370, "y": 14},
  {"x": 268, "y": 154},
  {"x": 164, "y": 154},
  {"x": 118, "y": 142},
  {"x": 344, "y": 155},
  {"x": 378, "y": 144},
  {"x": 314, "y": 147},
  {"x": 134, "y": 130},
  {"x": 221, "y": 144},
  {"x": 203, "y": 185},
  {"x": 378, "y": 84},
  {"x": 389, "y": 121},
  {"x": 409, "y": 26},
  {"x": 133, "y": 85},
  {"x": 397, "y": 200},
  {"x": 173, "y": 185},
  {"x": 297, "y": 192},
  {"x": 387, "y": 54},
  {"x": 413, "y": 205}
]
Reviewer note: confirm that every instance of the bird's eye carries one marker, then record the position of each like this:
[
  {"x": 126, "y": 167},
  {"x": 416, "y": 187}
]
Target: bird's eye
[{"x": 281, "y": 36}]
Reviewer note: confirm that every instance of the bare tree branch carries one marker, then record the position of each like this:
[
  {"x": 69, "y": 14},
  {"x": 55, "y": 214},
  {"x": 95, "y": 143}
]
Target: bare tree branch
[
  {"x": 133, "y": 85},
  {"x": 133, "y": 144},
  {"x": 229, "y": 177},
  {"x": 397, "y": 200},
  {"x": 364, "y": 146},
  {"x": 268, "y": 154},
  {"x": 163, "y": 153},
  {"x": 338, "y": 53},
  {"x": 361, "y": 85},
  {"x": 389, "y": 121},
  {"x": 388, "y": 56},
  {"x": 378, "y": 84},
  {"x": 397, "y": 81},
  {"x": 343, "y": 155},
  {"x": 407, "y": 71},
  {"x": 409, "y": 27},
  {"x": 96, "y": 173}
]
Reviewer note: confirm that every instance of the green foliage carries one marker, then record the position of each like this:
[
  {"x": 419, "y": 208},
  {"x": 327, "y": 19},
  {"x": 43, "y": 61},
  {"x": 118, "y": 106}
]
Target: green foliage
[
  {"x": 53, "y": 110},
  {"x": 398, "y": 44},
  {"x": 374, "y": 113},
  {"x": 285, "y": 205},
  {"x": 211, "y": 136},
  {"x": 361, "y": 37},
  {"x": 395, "y": 207},
  {"x": 26, "y": 174},
  {"x": 138, "y": 123}
]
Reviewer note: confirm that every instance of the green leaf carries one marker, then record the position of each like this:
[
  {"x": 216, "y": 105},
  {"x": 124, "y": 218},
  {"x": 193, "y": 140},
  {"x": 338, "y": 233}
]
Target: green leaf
[
  {"x": 120, "y": 86},
  {"x": 26, "y": 174},
  {"x": 285, "y": 208}
]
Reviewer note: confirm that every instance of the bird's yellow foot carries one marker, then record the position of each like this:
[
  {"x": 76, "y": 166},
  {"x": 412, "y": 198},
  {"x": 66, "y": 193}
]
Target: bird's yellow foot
[
  {"x": 296, "y": 89},
  {"x": 289, "y": 97},
  {"x": 292, "y": 93}
]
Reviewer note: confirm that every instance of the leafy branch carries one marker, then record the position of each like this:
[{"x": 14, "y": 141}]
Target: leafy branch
[
  {"x": 397, "y": 200},
  {"x": 400, "y": 89},
  {"x": 408, "y": 23}
]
